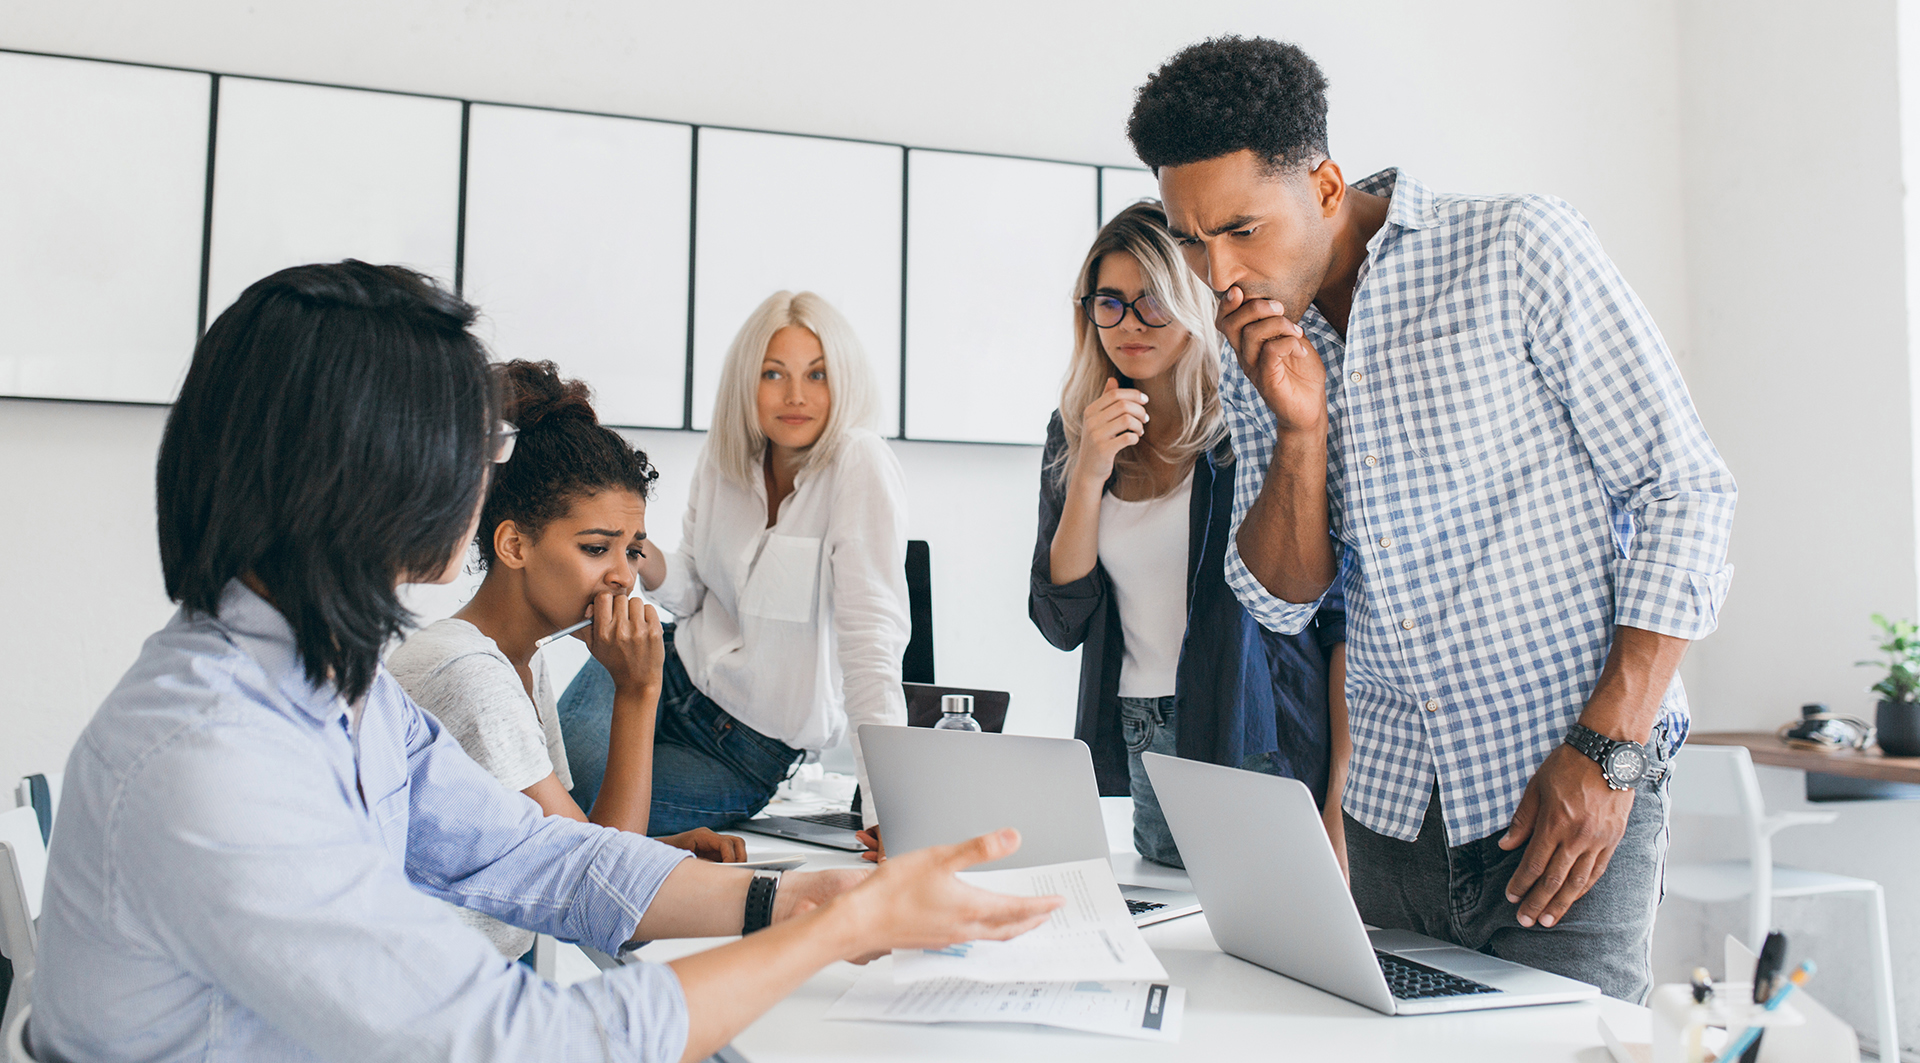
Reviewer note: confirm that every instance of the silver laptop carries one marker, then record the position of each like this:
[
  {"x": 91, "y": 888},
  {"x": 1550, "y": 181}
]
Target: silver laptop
[
  {"x": 939, "y": 787},
  {"x": 1275, "y": 897},
  {"x": 832, "y": 829}
]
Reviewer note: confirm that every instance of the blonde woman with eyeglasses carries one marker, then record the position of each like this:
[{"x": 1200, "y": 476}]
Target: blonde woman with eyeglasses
[
  {"x": 1136, "y": 494},
  {"x": 789, "y": 583}
]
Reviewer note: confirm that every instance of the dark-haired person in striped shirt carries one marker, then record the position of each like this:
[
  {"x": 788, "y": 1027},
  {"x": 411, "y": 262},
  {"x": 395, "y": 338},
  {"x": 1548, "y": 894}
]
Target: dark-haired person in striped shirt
[{"x": 1456, "y": 409}]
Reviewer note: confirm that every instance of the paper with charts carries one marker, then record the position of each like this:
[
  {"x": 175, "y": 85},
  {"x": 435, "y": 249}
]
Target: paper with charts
[
  {"x": 1091, "y": 938},
  {"x": 1147, "y": 1010}
]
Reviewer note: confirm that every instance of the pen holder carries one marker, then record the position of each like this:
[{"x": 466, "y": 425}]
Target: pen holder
[
  {"x": 1801, "y": 1030},
  {"x": 1731, "y": 1008}
]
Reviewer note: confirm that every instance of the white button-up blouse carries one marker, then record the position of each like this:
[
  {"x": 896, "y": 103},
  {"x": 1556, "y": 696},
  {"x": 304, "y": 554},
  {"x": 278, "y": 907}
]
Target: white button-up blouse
[{"x": 797, "y": 630}]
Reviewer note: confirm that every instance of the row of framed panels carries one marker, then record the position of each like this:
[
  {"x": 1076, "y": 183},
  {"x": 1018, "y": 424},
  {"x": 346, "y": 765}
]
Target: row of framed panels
[{"x": 136, "y": 203}]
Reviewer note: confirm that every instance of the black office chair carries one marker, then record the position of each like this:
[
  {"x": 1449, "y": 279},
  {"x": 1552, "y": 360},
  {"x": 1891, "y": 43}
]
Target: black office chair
[
  {"x": 916, "y": 665},
  {"x": 923, "y": 705}
]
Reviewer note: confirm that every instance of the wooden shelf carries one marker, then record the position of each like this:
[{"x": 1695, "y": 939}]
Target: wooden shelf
[{"x": 1766, "y": 748}]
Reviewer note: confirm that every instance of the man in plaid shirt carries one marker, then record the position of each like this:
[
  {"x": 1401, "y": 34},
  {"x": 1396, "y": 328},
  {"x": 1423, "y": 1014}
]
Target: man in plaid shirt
[{"x": 1527, "y": 518}]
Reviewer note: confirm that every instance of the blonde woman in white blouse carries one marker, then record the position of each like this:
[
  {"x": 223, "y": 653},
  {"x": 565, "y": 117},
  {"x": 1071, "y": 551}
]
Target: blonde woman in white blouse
[{"x": 789, "y": 582}]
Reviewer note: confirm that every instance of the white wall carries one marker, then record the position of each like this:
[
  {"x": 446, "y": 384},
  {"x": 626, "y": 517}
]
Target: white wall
[
  {"x": 1798, "y": 268},
  {"x": 1741, "y": 159},
  {"x": 1413, "y": 84}
]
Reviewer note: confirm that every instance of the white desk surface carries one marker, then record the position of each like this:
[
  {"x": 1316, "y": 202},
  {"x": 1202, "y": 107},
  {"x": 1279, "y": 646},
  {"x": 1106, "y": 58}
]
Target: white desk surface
[{"x": 1235, "y": 1010}]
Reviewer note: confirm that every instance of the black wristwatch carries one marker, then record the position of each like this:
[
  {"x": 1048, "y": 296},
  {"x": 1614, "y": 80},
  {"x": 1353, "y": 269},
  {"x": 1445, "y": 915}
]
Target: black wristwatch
[
  {"x": 1625, "y": 764},
  {"x": 760, "y": 894}
]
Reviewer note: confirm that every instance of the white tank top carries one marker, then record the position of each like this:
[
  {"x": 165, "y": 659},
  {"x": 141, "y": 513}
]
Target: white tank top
[{"x": 1143, "y": 546}]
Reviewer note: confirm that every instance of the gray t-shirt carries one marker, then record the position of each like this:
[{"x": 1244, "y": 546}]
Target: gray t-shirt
[{"x": 456, "y": 673}]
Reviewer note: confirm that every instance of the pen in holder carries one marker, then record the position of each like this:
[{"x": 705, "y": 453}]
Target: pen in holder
[{"x": 1687, "y": 1029}]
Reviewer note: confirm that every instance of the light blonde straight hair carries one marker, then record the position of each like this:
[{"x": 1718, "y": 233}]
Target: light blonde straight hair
[
  {"x": 735, "y": 442},
  {"x": 1141, "y": 231}
]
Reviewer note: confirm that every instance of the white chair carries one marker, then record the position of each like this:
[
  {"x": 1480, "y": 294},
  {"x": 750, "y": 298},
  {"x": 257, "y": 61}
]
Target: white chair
[
  {"x": 1719, "y": 781},
  {"x": 13, "y": 1033},
  {"x": 42, "y": 794},
  {"x": 23, "y": 873}
]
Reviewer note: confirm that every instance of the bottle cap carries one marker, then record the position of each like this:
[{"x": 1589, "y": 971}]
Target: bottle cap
[{"x": 956, "y": 703}]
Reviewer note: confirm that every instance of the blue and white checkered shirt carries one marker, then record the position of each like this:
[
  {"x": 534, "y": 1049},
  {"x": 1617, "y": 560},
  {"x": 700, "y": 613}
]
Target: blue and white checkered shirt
[{"x": 1514, "y": 469}]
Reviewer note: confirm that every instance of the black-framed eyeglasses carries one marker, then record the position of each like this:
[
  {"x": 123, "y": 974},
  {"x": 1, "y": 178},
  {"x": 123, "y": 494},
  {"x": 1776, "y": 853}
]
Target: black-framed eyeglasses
[{"x": 1107, "y": 311}]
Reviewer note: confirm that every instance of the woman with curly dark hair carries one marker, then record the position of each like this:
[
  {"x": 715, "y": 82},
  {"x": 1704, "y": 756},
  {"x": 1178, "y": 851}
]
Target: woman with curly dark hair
[{"x": 562, "y": 534}]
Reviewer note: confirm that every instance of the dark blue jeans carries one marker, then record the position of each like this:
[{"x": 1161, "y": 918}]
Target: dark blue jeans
[
  {"x": 1458, "y": 894},
  {"x": 709, "y": 769},
  {"x": 1149, "y": 726}
]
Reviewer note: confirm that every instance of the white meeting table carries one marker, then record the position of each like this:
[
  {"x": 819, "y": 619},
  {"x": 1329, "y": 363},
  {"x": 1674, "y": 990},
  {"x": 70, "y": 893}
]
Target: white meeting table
[{"x": 1234, "y": 1009}]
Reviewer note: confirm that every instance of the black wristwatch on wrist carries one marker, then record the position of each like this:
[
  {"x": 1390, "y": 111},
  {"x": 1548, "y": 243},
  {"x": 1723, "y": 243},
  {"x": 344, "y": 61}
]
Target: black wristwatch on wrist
[
  {"x": 760, "y": 894},
  {"x": 1625, "y": 764}
]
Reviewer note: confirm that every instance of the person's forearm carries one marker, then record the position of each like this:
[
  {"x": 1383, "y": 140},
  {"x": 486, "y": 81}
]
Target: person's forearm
[
  {"x": 1076, "y": 542},
  {"x": 1284, "y": 539},
  {"x": 1633, "y": 683},
  {"x": 653, "y": 566},
  {"x": 625, "y": 800},
  {"x": 1340, "y": 738},
  {"x": 699, "y": 899},
  {"x": 729, "y": 987}
]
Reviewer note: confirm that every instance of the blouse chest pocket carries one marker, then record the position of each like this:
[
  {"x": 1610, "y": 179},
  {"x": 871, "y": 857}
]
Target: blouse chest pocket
[
  {"x": 781, "y": 586},
  {"x": 1455, "y": 395}
]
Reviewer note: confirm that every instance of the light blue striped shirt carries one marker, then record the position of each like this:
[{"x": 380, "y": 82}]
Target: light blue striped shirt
[
  {"x": 1514, "y": 468},
  {"x": 239, "y": 872}
]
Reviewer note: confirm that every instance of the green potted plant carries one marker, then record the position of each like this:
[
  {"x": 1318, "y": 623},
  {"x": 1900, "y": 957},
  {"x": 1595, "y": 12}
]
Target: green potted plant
[{"x": 1898, "y": 718}]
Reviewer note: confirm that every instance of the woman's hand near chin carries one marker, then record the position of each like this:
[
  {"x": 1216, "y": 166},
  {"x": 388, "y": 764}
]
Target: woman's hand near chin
[{"x": 1113, "y": 422}]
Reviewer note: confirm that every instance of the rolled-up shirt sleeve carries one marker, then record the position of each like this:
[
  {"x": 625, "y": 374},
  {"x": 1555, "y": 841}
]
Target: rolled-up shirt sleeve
[
  {"x": 1251, "y": 424},
  {"x": 1599, "y": 350},
  {"x": 1061, "y": 611},
  {"x": 474, "y": 844},
  {"x": 866, "y": 556},
  {"x": 681, "y": 590},
  {"x": 292, "y": 906}
]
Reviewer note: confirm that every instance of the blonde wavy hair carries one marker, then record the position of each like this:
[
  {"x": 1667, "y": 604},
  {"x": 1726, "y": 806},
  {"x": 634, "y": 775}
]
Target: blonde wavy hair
[
  {"x": 735, "y": 442},
  {"x": 1141, "y": 231}
]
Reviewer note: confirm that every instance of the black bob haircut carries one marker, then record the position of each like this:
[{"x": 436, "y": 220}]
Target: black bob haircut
[
  {"x": 330, "y": 440},
  {"x": 1229, "y": 94},
  {"x": 563, "y": 454}
]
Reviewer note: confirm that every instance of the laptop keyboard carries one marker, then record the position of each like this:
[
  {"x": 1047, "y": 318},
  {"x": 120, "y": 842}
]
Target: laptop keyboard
[
  {"x": 1136, "y": 907},
  {"x": 841, "y": 820},
  {"x": 1408, "y": 980}
]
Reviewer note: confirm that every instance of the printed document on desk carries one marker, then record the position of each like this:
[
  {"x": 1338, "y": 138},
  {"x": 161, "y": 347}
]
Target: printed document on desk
[
  {"x": 1089, "y": 938},
  {"x": 1146, "y": 1010}
]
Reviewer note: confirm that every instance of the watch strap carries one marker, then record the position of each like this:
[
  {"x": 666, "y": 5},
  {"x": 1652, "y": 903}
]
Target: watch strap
[
  {"x": 760, "y": 895},
  {"x": 1595, "y": 746}
]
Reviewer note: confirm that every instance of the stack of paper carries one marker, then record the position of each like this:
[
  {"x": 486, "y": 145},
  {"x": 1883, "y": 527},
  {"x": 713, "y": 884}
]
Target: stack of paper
[
  {"x": 1085, "y": 968},
  {"x": 1147, "y": 1010}
]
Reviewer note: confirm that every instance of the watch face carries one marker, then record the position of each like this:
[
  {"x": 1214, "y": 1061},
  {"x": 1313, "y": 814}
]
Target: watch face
[{"x": 1627, "y": 764}]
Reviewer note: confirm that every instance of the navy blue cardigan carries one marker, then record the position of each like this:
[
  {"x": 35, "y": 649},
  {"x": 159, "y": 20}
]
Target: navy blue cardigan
[{"x": 1242, "y": 690}]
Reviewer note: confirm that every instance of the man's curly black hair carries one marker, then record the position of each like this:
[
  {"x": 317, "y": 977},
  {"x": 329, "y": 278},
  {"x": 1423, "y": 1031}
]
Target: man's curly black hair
[{"x": 1231, "y": 93}]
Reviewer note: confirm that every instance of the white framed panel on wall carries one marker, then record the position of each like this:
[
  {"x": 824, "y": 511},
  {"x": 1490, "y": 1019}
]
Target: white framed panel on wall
[
  {"x": 802, "y": 214},
  {"x": 993, "y": 246},
  {"x": 305, "y": 173},
  {"x": 576, "y": 251},
  {"x": 103, "y": 184},
  {"x": 1122, "y": 187}
]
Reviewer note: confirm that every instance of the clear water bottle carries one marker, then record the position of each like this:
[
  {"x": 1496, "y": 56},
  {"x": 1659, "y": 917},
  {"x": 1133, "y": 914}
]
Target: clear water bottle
[{"x": 956, "y": 713}]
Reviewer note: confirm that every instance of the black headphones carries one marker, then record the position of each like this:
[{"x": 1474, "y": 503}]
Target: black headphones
[{"x": 1820, "y": 729}]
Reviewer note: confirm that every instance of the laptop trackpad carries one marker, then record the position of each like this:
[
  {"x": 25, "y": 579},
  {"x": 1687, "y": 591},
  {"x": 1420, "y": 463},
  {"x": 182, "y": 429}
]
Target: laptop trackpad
[{"x": 1435, "y": 953}]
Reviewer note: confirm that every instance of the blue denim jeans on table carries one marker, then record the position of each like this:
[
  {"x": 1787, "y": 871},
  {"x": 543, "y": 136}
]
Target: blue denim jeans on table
[
  {"x": 709, "y": 769},
  {"x": 1147, "y": 725}
]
